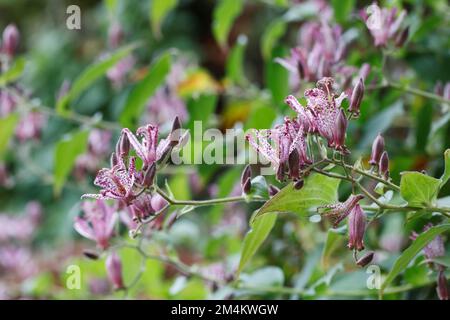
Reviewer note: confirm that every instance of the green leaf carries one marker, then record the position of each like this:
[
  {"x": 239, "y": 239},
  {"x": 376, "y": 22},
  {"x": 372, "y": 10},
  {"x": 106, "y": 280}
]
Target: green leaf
[
  {"x": 7, "y": 127},
  {"x": 259, "y": 231},
  {"x": 333, "y": 242},
  {"x": 140, "y": 94},
  {"x": 14, "y": 72},
  {"x": 158, "y": 11},
  {"x": 446, "y": 174},
  {"x": 277, "y": 77},
  {"x": 261, "y": 116},
  {"x": 418, "y": 189},
  {"x": 235, "y": 62},
  {"x": 318, "y": 190},
  {"x": 271, "y": 35},
  {"x": 224, "y": 15},
  {"x": 342, "y": 9},
  {"x": 200, "y": 108},
  {"x": 91, "y": 74},
  {"x": 405, "y": 258},
  {"x": 66, "y": 152}
]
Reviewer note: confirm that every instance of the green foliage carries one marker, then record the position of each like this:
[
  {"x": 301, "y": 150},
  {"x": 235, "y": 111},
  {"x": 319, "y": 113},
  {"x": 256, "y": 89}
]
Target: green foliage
[
  {"x": 142, "y": 91},
  {"x": 7, "y": 126},
  {"x": 90, "y": 75},
  {"x": 159, "y": 9},
  {"x": 66, "y": 152},
  {"x": 405, "y": 258},
  {"x": 235, "y": 64},
  {"x": 419, "y": 189},
  {"x": 224, "y": 15},
  {"x": 272, "y": 34},
  {"x": 13, "y": 73}
]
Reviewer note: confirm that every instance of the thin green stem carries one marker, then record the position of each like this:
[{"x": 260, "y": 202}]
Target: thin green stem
[{"x": 418, "y": 92}]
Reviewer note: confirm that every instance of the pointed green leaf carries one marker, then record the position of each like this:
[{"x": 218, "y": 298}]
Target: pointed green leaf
[
  {"x": 66, "y": 152},
  {"x": 158, "y": 11},
  {"x": 140, "y": 94},
  {"x": 91, "y": 74},
  {"x": 235, "y": 62},
  {"x": 446, "y": 174},
  {"x": 224, "y": 15},
  {"x": 259, "y": 231},
  {"x": 14, "y": 72},
  {"x": 7, "y": 127},
  {"x": 405, "y": 258},
  {"x": 271, "y": 35},
  {"x": 419, "y": 189}
]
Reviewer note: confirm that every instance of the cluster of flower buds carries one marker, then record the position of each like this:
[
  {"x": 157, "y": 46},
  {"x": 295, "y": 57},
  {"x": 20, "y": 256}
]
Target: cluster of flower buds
[
  {"x": 379, "y": 157},
  {"x": 435, "y": 249},
  {"x": 10, "y": 40},
  {"x": 385, "y": 24},
  {"x": 322, "y": 116}
]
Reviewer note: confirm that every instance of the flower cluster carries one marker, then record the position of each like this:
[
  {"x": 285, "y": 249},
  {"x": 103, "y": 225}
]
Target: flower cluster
[{"x": 322, "y": 116}]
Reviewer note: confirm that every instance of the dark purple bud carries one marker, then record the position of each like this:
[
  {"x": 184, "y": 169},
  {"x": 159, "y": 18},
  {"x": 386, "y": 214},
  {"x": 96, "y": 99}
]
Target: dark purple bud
[
  {"x": 149, "y": 176},
  {"x": 384, "y": 165},
  {"x": 356, "y": 228},
  {"x": 114, "y": 270},
  {"x": 123, "y": 145},
  {"x": 90, "y": 254},
  {"x": 247, "y": 186},
  {"x": 365, "y": 259},
  {"x": 439, "y": 88},
  {"x": 357, "y": 96},
  {"x": 442, "y": 289},
  {"x": 280, "y": 172},
  {"x": 10, "y": 40},
  {"x": 339, "y": 130},
  {"x": 299, "y": 184},
  {"x": 377, "y": 150},
  {"x": 113, "y": 160},
  {"x": 294, "y": 164},
  {"x": 402, "y": 37},
  {"x": 273, "y": 190},
  {"x": 175, "y": 133}
]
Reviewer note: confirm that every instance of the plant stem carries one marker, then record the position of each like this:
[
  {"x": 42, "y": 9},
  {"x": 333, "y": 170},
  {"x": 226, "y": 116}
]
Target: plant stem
[{"x": 418, "y": 92}]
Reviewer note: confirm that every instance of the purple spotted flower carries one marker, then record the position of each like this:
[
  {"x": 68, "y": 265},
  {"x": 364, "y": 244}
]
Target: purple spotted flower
[
  {"x": 98, "y": 222},
  {"x": 148, "y": 149},
  {"x": 116, "y": 182},
  {"x": 339, "y": 211},
  {"x": 383, "y": 23}
]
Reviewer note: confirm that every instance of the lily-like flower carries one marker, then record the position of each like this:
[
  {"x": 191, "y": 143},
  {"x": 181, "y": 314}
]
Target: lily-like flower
[
  {"x": 149, "y": 150},
  {"x": 383, "y": 23},
  {"x": 98, "y": 222},
  {"x": 117, "y": 182},
  {"x": 339, "y": 211},
  {"x": 114, "y": 271},
  {"x": 356, "y": 228}
]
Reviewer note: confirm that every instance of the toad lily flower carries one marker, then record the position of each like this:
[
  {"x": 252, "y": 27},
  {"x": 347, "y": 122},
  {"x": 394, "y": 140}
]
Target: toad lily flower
[
  {"x": 383, "y": 23},
  {"x": 339, "y": 211},
  {"x": 149, "y": 150},
  {"x": 117, "y": 182},
  {"x": 98, "y": 222}
]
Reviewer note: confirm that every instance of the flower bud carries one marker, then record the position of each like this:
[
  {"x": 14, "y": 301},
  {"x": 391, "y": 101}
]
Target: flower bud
[
  {"x": 294, "y": 164},
  {"x": 402, "y": 37},
  {"x": 114, "y": 270},
  {"x": 115, "y": 35},
  {"x": 273, "y": 190},
  {"x": 90, "y": 254},
  {"x": 377, "y": 150},
  {"x": 10, "y": 40},
  {"x": 446, "y": 93},
  {"x": 365, "y": 259},
  {"x": 339, "y": 131},
  {"x": 113, "y": 160},
  {"x": 357, "y": 95},
  {"x": 356, "y": 228},
  {"x": 175, "y": 133},
  {"x": 149, "y": 176},
  {"x": 364, "y": 71},
  {"x": 123, "y": 145},
  {"x": 246, "y": 177},
  {"x": 384, "y": 165},
  {"x": 299, "y": 184},
  {"x": 442, "y": 289},
  {"x": 280, "y": 172}
]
